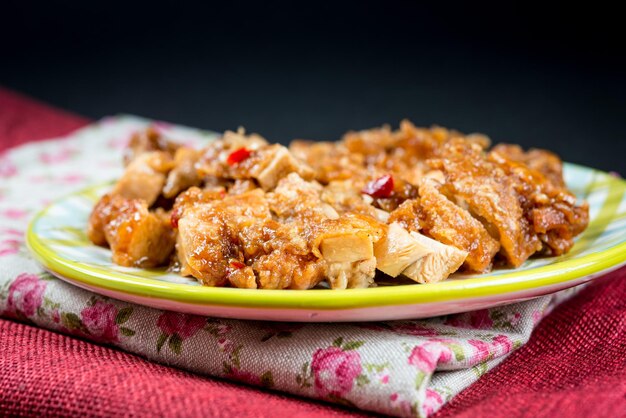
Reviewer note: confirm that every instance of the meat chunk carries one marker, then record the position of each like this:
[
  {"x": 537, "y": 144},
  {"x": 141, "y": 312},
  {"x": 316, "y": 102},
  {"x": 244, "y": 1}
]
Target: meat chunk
[
  {"x": 344, "y": 242},
  {"x": 543, "y": 161},
  {"x": 348, "y": 243},
  {"x": 551, "y": 209},
  {"x": 144, "y": 177},
  {"x": 136, "y": 236},
  {"x": 450, "y": 224},
  {"x": 238, "y": 157},
  {"x": 352, "y": 275},
  {"x": 285, "y": 270},
  {"x": 183, "y": 174},
  {"x": 148, "y": 140},
  {"x": 413, "y": 202},
  {"x": 397, "y": 250},
  {"x": 205, "y": 245},
  {"x": 436, "y": 265},
  {"x": 490, "y": 195}
]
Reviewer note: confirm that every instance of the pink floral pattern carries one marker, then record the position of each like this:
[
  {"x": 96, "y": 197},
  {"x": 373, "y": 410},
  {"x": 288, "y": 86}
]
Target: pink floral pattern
[
  {"x": 25, "y": 295},
  {"x": 56, "y": 157},
  {"x": 500, "y": 346},
  {"x": 7, "y": 167},
  {"x": 184, "y": 325},
  {"x": 176, "y": 327},
  {"x": 14, "y": 213},
  {"x": 10, "y": 242},
  {"x": 426, "y": 356},
  {"x": 432, "y": 402},
  {"x": 335, "y": 371},
  {"x": 99, "y": 320},
  {"x": 401, "y": 406},
  {"x": 9, "y": 246}
]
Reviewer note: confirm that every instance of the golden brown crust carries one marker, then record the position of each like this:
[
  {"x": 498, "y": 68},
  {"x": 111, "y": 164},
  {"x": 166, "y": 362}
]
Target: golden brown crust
[{"x": 418, "y": 202}]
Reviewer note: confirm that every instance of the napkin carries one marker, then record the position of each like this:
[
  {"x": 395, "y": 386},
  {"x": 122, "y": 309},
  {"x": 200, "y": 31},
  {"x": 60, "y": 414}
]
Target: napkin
[{"x": 402, "y": 368}]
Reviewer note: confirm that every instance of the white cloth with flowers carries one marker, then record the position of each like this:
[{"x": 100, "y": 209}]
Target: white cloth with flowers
[{"x": 403, "y": 368}]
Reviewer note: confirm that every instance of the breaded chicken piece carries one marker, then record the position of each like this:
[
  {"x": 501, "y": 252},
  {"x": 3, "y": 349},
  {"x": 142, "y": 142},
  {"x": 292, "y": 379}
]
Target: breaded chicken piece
[
  {"x": 450, "y": 224},
  {"x": 136, "y": 236},
  {"x": 489, "y": 195},
  {"x": 144, "y": 177}
]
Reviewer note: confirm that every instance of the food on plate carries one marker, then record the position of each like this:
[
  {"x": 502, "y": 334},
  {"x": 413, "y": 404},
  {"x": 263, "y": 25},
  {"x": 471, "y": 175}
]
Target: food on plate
[{"x": 421, "y": 203}]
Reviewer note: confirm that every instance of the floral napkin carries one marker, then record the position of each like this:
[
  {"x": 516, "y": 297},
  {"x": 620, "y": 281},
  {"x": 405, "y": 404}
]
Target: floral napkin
[{"x": 403, "y": 368}]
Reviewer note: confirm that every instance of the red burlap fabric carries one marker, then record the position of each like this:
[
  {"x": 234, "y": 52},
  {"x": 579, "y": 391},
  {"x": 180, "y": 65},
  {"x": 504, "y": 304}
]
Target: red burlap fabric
[{"x": 573, "y": 366}]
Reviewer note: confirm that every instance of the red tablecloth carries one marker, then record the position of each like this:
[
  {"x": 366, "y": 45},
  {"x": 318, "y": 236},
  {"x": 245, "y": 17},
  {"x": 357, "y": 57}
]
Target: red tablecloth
[{"x": 573, "y": 366}]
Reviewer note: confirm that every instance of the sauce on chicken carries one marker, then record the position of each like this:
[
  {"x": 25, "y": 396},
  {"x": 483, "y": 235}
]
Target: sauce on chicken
[{"x": 421, "y": 203}]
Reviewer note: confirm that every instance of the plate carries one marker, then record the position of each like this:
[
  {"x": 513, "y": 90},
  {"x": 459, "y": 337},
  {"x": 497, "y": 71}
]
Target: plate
[{"x": 56, "y": 237}]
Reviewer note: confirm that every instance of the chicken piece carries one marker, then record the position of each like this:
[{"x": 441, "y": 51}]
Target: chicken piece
[
  {"x": 450, "y": 224},
  {"x": 241, "y": 186},
  {"x": 105, "y": 210},
  {"x": 436, "y": 265},
  {"x": 222, "y": 158},
  {"x": 397, "y": 250},
  {"x": 239, "y": 139},
  {"x": 295, "y": 197},
  {"x": 348, "y": 238},
  {"x": 490, "y": 195},
  {"x": 144, "y": 177},
  {"x": 191, "y": 197},
  {"x": 551, "y": 209},
  {"x": 344, "y": 197},
  {"x": 330, "y": 161},
  {"x": 241, "y": 277},
  {"x": 284, "y": 270},
  {"x": 543, "y": 161},
  {"x": 407, "y": 215},
  {"x": 280, "y": 163},
  {"x": 351, "y": 275},
  {"x": 235, "y": 240},
  {"x": 148, "y": 140},
  {"x": 136, "y": 236},
  {"x": 347, "y": 245},
  {"x": 205, "y": 245},
  {"x": 341, "y": 241},
  {"x": 184, "y": 174},
  {"x": 264, "y": 163}
]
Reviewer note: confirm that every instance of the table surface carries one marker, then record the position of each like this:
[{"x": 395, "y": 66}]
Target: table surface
[{"x": 574, "y": 364}]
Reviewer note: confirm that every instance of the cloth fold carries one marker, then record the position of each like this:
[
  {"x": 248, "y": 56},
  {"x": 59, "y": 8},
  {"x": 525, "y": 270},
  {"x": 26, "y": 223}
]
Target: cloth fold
[{"x": 404, "y": 368}]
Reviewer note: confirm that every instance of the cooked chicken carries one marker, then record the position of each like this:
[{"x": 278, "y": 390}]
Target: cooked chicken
[
  {"x": 136, "y": 236},
  {"x": 443, "y": 220},
  {"x": 551, "y": 209},
  {"x": 144, "y": 177},
  {"x": 205, "y": 245},
  {"x": 345, "y": 242},
  {"x": 397, "y": 250},
  {"x": 438, "y": 264},
  {"x": 352, "y": 275},
  {"x": 184, "y": 174},
  {"x": 545, "y": 162},
  {"x": 489, "y": 195},
  {"x": 414, "y": 202},
  {"x": 238, "y": 157},
  {"x": 148, "y": 140}
]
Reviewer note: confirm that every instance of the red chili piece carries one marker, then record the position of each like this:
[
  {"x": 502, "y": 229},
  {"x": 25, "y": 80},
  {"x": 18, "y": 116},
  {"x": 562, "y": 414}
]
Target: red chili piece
[
  {"x": 237, "y": 264},
  {"x": 238, "y": 156},
  {"x": 381, "y": 187},
  {"x": 176, "y": 214}
]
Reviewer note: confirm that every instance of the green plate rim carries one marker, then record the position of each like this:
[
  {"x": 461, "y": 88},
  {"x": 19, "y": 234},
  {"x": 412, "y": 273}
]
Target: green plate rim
[{"x": 327, "y": 299}]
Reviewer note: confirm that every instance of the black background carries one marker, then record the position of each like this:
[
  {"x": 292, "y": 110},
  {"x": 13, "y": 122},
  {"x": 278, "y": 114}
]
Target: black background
[{"x": 541, "y": 75}]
